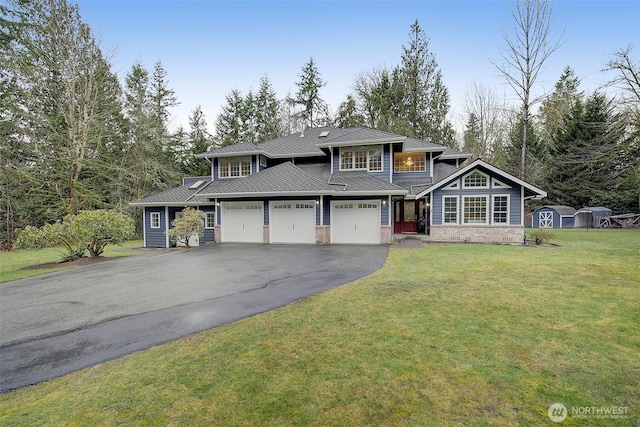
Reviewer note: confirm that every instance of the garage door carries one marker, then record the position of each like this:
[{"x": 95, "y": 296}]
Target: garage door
[
  {"x": 355, "y": 221},
  {"x": 242, "y": 222},
  {"x": 292, "y": 222}
]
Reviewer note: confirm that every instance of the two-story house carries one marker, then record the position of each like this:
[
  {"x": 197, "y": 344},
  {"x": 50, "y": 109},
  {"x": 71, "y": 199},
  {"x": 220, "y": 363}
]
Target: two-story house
[{"x": 354, "y": 185}]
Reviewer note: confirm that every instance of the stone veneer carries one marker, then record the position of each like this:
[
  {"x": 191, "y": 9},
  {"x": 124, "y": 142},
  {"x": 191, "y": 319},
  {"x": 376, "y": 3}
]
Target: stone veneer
[
  {"x": 510, "y": 234},
  {"x": 323, "y": 234},
  {"x": 385, "y": 234}
]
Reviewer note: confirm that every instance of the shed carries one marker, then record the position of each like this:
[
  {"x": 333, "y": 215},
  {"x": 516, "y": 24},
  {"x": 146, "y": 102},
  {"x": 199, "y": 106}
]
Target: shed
[
  {"x": 556, "y": 216},
  {"x": 590, "y": 217}
]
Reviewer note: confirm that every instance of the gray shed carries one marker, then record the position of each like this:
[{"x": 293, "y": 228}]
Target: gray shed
[
  {"x": 590, "y": 217},
  {"x": 555, "y": 216}
]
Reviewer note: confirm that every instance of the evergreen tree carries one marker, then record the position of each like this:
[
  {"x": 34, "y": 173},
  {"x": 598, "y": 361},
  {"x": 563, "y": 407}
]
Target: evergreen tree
[
  {"x": 348, "y": 115},
  {"x": 472, "y": 138},
  {"x": 425, "y": 98},
  {"x": 199, "y": 141},
  {"x": 267, "y": 118},
  {"x": 314, "y": 110}
]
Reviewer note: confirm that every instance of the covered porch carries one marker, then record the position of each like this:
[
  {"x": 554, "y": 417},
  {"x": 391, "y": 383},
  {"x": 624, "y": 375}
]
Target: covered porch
[{"x": 411, "y": 217}]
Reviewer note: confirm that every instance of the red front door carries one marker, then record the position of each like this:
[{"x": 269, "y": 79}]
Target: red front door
[{"x": 405, "y": 216}]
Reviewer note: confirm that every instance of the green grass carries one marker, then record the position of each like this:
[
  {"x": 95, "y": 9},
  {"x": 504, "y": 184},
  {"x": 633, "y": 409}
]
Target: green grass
[
  {"x": 443, "y": 335},
  {"x": 12, "y": 263}
]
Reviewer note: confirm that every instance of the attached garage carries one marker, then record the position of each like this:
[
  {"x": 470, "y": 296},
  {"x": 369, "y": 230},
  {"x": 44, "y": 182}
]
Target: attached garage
[
  {"x": 242, "y": 222},
  {"x": 356, "y": 221},
  {"x": 292, "y": 221}
]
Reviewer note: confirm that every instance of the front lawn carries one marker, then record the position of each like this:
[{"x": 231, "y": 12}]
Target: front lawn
[
  {"x": 15, "y": 264},
  {"x": 451, "y": 334}
]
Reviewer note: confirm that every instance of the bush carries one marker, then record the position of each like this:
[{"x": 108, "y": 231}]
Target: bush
[
  {"x": 88, "y": 231},
  {"x": 540, "y": 237},
  {"x": 192, "y": 222}
]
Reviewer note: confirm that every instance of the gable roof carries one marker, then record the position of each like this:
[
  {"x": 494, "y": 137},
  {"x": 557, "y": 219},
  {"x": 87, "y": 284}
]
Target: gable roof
[
  {"x": 178, "y": 196},
  {"x": 530, "y": 190}
]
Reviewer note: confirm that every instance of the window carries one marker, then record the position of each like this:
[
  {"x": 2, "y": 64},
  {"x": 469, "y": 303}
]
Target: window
[
  {"x": 450, "y": 209},
  {"x": 409, "y": 162},
  {"x": 475, "y": 210},
  {"x": 361, "y": 158},
  {"x": 209, "y": 220},
  {"x": 475, "y": 180},
  {"x": 231, "y": 167},
  {"x": 155, "y": 219},
  {"x": 263, "y": 161},
  {"x": 500, "y": 209}
]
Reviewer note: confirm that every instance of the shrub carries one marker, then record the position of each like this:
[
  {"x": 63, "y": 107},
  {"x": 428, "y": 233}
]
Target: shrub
[
  {"x": 192, "y": 222},
  {"x": 88, "y": 231},
  {"x": 540, "y": 237}
]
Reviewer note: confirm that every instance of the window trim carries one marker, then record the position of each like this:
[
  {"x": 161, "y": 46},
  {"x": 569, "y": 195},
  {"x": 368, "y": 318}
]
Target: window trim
[
  {"x": 229, "y": 160},
  {"x": 487, "y": 177},
  {"x": 153, "y": 215},
  {"x": 209, "y": 225},
  {"x": 486, "y": 207},
  {"x": 493, "y": 209},
  {"x": 415, "y": 155},
  {"x": 352, "y": 154},
  {"x": 457, "y": 212}
]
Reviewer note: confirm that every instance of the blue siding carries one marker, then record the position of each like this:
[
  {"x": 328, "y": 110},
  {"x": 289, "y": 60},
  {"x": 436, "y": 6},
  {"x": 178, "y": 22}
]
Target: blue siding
[
  {"x": 155, "y": 237},
  {"x": 514, "y": 193},
  {"x": 568, "y": 221},
  {"x": 386, "y": 162},
  {"x": 558, "y": 221},
  {"x": 209, "y": 233}
]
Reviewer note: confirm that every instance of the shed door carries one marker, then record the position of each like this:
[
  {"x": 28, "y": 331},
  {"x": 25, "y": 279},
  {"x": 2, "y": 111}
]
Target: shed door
[
  {"x": 242, "y": 222},
  {"x": 355, "y": 221},
  {"x": 546, "y": 219},
  {"x": 292, "y": 222}
]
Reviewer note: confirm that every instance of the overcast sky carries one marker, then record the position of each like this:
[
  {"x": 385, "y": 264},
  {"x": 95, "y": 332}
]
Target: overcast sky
[{"x": 210, "y": 47}]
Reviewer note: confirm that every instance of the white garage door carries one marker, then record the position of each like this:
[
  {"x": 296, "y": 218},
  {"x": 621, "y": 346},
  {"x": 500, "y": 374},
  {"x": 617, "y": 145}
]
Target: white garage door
[
  {"x": 355, "y": 221},
  {"x": 242, "y": 222},
  {"x": 292, "y": 222}
]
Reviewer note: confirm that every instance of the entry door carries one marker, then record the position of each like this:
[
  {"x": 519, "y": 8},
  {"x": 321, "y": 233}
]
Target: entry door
[
  {"x": 546, "y": 219},
  {"x": 405, "y": 217}
]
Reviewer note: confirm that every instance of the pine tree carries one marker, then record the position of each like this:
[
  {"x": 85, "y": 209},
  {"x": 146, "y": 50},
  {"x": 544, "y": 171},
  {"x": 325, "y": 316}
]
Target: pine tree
[
  {"x": 231, "y": 123},
  {"x": 314, "y": 111},
  {"x": 348, "y": 115},
  {"x": 267, "y": 118}
]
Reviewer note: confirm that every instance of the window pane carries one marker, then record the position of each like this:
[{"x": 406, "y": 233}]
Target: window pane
[
  {"x": 450, "y": 210},
  {"x": 224, "y": 168},
  {"x": 475, "y": 179},
  {"x": 245, "y": 168},
  {"x": 375, "y": 160},
  {"x": 475, "y": 210},
  {"x": 360, "y": 160},
  {"x": 500, "y": 209},
  {"x": 346, "y": 159},
  {"x": 409, "y": 162}
]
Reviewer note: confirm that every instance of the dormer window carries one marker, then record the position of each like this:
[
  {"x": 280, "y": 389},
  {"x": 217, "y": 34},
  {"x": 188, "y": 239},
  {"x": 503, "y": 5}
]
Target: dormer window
[
  {"x": 234, "y": 167},
  {"x": 367, "y": 158}
]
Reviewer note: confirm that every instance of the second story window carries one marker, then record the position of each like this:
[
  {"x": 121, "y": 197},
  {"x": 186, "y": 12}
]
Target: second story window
[
  {"x": 361, "y": 158},
  {"x": 233, "y": 167},
  {"x": 409, "y": 162}
]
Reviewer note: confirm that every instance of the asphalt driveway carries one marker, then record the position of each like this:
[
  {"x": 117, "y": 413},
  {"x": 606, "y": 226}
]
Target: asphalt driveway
[{"x": 57, "y": 323}]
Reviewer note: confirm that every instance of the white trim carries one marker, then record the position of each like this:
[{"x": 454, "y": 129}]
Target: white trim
[
  {"x": 522, "y": 205},
  {"x": 540, "y": 219},
  {"x": 331, "y": 155},
  {"x": 391, "y": 163},
  {"x": 321, "y": 210},
  {"x": 144, "y": 226},
  {"x": 466, "y": 187},
  {"x": 389, "y": 212},
  {"x": 166, "y": 226},
  {"x": 487, "y": 199},
  {"x": 493, "y": 169},
  {"x": 457, "y": 198},
  {"x": 498, "y": 184},
  {"x": 151, "y": 221},
  {"x": 364, "y": 148},
  {"x": 431, "y": 164},
  {"x": 410, "y": 154},
  {"x": 455, "y": 185},
  {"x": 508, "y": 196},
  {"x": 240, "y": 159},
  {"x": 206, "y": 215}
]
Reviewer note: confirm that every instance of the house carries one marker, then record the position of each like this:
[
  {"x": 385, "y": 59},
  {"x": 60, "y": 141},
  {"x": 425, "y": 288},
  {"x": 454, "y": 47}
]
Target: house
[
  {"x": 590, "y": 217},
  {"x": 353, "y": 185},
  {"x": 556, "y": 216}
]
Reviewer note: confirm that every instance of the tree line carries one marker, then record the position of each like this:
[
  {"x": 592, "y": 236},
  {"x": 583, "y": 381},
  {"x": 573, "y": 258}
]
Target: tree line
[{"x": 74, "y": 137}]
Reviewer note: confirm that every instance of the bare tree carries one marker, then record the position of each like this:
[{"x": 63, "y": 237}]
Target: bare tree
[
  {"x": 526, "y": 49},
  {"x": 490, "y": 111}
]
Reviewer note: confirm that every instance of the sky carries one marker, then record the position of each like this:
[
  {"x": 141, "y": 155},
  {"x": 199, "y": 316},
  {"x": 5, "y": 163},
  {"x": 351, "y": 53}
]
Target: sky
[{"x": 210, "y": 47}]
